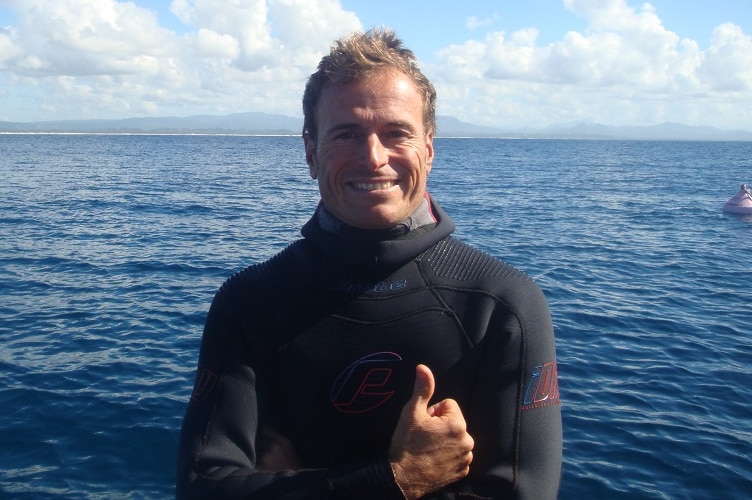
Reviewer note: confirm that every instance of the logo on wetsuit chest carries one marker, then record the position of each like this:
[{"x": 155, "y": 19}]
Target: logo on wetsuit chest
[
  {"x": 365, "y": 384},
  {"x": 380, "y": 287}
]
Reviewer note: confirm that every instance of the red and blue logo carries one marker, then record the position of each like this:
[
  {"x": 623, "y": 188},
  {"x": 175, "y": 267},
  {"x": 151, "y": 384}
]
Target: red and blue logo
[
  {"x": 205, "y": 382},
  {"x": 543, "y": 388},
  {"x": 366, "y": 384}
]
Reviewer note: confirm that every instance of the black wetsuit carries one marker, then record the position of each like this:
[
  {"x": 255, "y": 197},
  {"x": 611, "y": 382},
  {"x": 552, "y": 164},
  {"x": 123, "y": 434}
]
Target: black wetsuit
[{"x": 321, "y": 343}]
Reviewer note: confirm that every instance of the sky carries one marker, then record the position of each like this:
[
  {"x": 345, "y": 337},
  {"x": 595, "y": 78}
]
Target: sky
[{"x": 503, "y": 63}]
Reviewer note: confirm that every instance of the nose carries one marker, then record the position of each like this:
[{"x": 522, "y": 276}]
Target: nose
[{"x": 378, "y": 155}]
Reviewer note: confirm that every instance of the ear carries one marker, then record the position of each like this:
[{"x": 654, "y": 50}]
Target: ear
[
  {"x": 429, "y": 151},
  {"x": 310, "y": 155}
]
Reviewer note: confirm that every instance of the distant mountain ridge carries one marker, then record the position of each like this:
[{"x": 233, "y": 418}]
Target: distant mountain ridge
[
  {"x": 257, "y": 123},
  {"x": 252, "y": 122},
  {"x": 663, "y": 131}
]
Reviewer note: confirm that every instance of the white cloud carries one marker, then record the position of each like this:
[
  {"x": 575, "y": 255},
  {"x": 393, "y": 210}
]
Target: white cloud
[
  {"x": 211, "y": 45},
  {"x": 9, "y": 50},
  {"x": 727, "y": 64},
  {"x": 78, "y": 37},
  {"x": 109, "y": 58},
  {"x": 303, "y": 23},
  {"x": 245, "y": 21},
  {"x": 625, "y": 68},
  {"x": 473, "y": 22}
]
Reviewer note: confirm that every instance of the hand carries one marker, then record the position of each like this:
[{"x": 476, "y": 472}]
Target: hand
[
  {"x": 430, "y": 446},
  {"x": 275, "y": 452}
]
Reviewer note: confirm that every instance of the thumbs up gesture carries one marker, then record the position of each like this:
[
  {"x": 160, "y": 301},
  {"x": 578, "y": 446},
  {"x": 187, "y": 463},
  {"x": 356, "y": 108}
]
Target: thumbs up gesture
[{"x": 430, "y": 446}]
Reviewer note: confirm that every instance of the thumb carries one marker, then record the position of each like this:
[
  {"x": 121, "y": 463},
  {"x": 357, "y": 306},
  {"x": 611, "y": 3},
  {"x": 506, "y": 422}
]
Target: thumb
[{"x": 423, "y": 388}]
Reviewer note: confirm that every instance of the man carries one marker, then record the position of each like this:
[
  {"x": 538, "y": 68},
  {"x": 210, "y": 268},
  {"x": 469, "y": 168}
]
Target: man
[{"x": 378, "y": 357}]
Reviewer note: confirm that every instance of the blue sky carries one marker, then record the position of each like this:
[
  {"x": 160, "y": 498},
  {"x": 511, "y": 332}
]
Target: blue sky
[{"x": 501, "y": 63}]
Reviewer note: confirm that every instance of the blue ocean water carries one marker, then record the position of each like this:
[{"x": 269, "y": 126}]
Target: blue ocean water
[{"x": 112, "y": 246}]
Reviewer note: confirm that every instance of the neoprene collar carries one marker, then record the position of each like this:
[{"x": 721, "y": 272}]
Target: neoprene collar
[{"x": 383, "y": 248}]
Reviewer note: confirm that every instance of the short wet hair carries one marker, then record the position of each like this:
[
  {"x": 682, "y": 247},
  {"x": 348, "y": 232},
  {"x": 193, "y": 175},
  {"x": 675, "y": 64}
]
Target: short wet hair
[{"x": 356, "y": 57}]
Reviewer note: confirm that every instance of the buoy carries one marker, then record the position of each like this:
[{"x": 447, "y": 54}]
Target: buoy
[{"x": 740, "y": 203}]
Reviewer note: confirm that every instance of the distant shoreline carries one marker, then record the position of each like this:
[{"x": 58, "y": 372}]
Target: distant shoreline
[
  {"x": 485, "y": 137},
  {"x": 269, "y": 125},
  {"x": 239, "y": 134}
]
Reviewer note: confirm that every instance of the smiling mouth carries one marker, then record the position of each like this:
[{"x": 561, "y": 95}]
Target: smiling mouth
[{"x": 372, "y": 186}]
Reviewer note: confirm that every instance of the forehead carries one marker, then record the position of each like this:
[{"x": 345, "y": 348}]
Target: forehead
[
  {"x": 387, "y": 94},
  {"x": 383, "y": 85}
]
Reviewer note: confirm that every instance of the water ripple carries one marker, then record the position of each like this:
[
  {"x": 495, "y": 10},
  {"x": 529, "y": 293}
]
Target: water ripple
[{"x": 111, "y": 248}]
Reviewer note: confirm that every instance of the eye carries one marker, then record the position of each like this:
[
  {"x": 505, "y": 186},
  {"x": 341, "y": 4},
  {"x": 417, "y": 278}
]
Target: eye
[
  {"x": 397, "y": 134},
  {"x": 345, "y": 135}
]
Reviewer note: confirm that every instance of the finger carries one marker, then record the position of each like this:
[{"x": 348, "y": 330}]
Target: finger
[
  {"x": 446, "y": 407},
  {"x": 423, "y": 388}
]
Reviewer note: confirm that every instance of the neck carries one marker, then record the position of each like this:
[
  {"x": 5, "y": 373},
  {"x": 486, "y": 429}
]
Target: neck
[{"x": 421, "y": 217}]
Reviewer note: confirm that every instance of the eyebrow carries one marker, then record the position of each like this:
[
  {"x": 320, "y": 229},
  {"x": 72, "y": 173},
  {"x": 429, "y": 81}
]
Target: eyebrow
[{"x": 349, "y": 126}]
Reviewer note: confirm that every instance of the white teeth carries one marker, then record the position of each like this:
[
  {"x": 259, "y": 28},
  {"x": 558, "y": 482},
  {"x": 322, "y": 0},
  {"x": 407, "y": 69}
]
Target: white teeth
[{"x": 372, "y": 186}]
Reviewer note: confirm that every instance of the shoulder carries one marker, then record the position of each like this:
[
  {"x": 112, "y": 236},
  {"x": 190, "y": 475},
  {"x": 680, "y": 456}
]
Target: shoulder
[
  {"x": 257, "y": 299},
  {"x": 453, "y": 259},
  {"x": 457, "y": 264},
  {"x": 283, "y": 271}
]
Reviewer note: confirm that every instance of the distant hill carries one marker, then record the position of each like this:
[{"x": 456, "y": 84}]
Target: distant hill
[
  {"x": 662, "y": 132},
  {"x": 256, "y": 123},
  {"x": 237, "y": 123},
  {"x": 449, "y": 126}
]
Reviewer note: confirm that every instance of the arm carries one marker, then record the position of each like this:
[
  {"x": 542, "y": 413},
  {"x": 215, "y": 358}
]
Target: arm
[
  {"x": 508, "y": 391},
  {"x": 430, "y": 447},
  {"x": 217, "y": 460},
  {"x": 514, "y": 411},
  {"x": 219, "y": 454},
  {"x": 539, "y": 412}
]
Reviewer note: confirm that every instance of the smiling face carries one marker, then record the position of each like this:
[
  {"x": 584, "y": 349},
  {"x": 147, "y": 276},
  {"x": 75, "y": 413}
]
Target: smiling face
[{"x": 372, "y": 154}]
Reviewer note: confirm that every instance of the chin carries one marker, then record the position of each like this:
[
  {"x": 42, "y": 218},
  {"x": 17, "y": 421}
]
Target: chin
[{"x": 372, "y": 219}]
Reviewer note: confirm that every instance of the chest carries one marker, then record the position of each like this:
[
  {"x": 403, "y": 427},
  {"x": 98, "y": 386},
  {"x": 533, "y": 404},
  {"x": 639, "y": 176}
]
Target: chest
[{"x": 341, "y": 382}]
